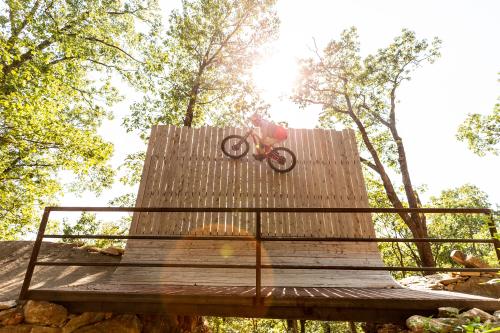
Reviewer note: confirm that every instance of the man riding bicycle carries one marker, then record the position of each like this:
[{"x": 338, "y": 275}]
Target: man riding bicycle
[{"x": 271, "y": 134}]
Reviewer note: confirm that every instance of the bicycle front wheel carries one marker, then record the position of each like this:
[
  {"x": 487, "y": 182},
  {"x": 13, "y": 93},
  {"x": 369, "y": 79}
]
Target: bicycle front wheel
[
  {"x": 281, "y": 159},
  {"x": 235, "y": 146}
]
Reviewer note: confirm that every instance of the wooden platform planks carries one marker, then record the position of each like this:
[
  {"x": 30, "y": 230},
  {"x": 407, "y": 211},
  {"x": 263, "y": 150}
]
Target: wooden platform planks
[
  {"x": 355, "y": 304},
  {"x": 185, "y": 167}
]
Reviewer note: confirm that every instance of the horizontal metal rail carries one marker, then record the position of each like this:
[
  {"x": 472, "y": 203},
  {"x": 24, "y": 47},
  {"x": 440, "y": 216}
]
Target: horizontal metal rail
[
  {"x": 271, "y": 210},
  {"x": 283, "y": 239},
  {"x": 264, "y": 266},
  {"x": 258, "y": 238}
]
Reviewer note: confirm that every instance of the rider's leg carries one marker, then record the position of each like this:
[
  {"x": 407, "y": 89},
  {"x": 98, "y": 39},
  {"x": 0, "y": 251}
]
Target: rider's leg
[{"x": 268, "y": 142}]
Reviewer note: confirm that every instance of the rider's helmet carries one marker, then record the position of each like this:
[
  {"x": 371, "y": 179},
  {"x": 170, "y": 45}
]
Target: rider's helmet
[{"x": 256, "y": 119}]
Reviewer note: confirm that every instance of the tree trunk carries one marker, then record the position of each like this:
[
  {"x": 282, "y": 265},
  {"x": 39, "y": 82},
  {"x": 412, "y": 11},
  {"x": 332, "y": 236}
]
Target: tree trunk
[
  {"x": 302, "y": 326},
  {"x": 415, "y": 222},
  {"x": 188, "y": 119},
  {"x": 291, "y": 326}
]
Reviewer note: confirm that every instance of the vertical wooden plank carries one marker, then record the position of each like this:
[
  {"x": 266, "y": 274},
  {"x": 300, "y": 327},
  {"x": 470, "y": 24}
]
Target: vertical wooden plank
[
  {"x": 301, "y": 194},
  {"x": 239, "y": 183},
  {"x": 294, "y": 188},
  {"x": 228, "y": 191},
  {"x": 360, "y": 187},
  {"x": 332, "y": 219},
  {"x": 185, "y": 198},
  {"x": 177, "y": 181},
  {"x": 255, "y": 185},
  {"x": 310, "y": 180},
  {"x": 244, "y": 178},
  {"x": 207, "y": 182},
  {"x": 147, "y": 168},
  {"x": 340, "y": 188},
  {"x": 168, "y": 220},
  {"x": 194, "y": 186},
  {"x": 348, "y": 172},
  {"x": 272, "y": 193},
  {"x": 319, "y": 229},
  {"x": 320, "y": 172},
  {"x": 212, "y": 179},
  {"x": 163, "y": 143},
  {"x": 153, "y": 184}
]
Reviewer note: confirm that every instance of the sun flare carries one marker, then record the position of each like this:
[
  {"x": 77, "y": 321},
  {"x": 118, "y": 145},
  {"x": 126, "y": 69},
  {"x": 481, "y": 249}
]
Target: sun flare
[{"x": 275, "y": 75}]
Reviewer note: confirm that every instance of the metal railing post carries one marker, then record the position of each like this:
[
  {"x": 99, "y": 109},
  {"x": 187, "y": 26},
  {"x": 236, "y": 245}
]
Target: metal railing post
[
  {"x": 494, "y": 234},
  {"x": 258, "y": 258},
  {"x": 34, "y": 254}
]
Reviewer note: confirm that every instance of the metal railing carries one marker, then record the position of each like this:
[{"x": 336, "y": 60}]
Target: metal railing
[{"x": 258, "y": 238}]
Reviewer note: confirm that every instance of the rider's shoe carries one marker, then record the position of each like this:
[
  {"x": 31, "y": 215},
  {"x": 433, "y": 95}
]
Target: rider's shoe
[{"x": 259, "y": 157}]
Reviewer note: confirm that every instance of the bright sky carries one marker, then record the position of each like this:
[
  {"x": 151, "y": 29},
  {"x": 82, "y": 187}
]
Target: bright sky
[{"x": 433, "y": 104}]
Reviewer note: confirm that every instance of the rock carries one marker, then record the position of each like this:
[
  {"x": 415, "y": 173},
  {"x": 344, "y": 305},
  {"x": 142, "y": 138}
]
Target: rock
[
  {"x": 158, "y": 323},
  {"x": 45, "y": 313},
  {"x": 84, "y": 319},
  {"x": 112, "y": 251},
  {"x": 389, "y": 328},
  {"x": 496, "y": 314},
  {"x": 420, "y": 324},
  {"x": 478, "y": 286},
  {"x": 449, "y": 281},
  {"x": 119, "y": 324},
  {"x": 454, "y": 322},
  {"x": 469, "y": 274},
  {"x": 476, "y": 262},
  {"x": 436, "y": 286},
  {"x": 458, "y": 257},
  {"x": 450, "y": 287},
  {"x": 7, "y": 304},
  {"x": 11, "y": 317},
  {"x": 448, "y": 312},
  {"x": 44, "y": 329},
  {"x": 16, "y": 329},
  {"x": 477, "y": 313}
]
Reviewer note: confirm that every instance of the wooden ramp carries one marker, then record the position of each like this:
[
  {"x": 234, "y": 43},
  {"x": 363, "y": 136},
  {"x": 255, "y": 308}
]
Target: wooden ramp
[{"x": 185, "y": 167}]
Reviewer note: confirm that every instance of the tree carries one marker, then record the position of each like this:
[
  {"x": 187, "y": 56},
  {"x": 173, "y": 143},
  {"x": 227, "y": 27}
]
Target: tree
[
  {"x": 56, "y": 64},
  {"x": 464, "y": 226},
  {"x": 201, "y": 70},
  {"x": 482, "y": 132},
  {"x": 362, "y": 93}
]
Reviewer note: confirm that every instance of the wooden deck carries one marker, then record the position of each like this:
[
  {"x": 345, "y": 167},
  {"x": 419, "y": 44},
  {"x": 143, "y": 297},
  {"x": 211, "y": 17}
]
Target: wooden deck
[{"x": 360, "y": 304}]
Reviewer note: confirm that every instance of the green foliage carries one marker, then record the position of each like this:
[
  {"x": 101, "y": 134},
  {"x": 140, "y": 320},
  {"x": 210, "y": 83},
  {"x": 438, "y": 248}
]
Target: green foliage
[
  {"x": 199, "y": 71},
  {"x": 391, "y": 226},
  {"x": 56, "y": 62},
  {"x": 465, "y": 226},
  {"x": 88, "y": 224},
  {"x": 482, "y": 132},
  {"x": 244, "y": 325},
  {"x": 478, "y": 328},
  {"x": 351, "y": 89}
]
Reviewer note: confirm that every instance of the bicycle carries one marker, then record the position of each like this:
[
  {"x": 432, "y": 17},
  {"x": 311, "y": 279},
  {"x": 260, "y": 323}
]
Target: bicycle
[{"x": 280, "y": 159}]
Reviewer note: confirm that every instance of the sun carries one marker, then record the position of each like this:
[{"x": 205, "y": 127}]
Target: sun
[{"x": 275, "y": 75}]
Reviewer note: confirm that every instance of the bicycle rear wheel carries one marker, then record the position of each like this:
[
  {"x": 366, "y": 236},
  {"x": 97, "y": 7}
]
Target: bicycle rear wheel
[
  {"x": 281, "y": 159},
  {"x": 234, "y": 146}
]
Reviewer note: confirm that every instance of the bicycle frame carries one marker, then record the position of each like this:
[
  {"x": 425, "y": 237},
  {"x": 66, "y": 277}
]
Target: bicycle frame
[{"x": 257, "y": 141}]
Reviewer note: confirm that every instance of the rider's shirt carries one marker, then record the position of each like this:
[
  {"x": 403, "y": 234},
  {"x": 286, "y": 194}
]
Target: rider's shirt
[{"x": 272, "y": 130}]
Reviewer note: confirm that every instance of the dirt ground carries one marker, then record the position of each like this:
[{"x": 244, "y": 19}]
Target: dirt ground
[{"x": 15, "y": 255}]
